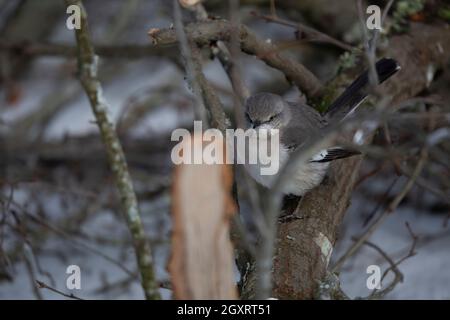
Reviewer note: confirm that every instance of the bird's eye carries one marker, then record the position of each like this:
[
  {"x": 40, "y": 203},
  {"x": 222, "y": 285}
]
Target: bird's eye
[{"x": 271, "y": 118}]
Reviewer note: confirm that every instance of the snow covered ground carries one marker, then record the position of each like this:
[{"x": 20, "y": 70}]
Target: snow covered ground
[{"x": 425, "y": 274}]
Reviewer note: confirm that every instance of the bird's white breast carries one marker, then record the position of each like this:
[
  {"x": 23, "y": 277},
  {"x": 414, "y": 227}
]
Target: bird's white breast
[{"x": 306, "y": 176}]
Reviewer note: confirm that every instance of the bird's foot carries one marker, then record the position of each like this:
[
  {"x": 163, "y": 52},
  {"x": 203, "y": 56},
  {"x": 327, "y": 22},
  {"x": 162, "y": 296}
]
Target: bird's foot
[
  {"x": 289, "y": 212},
  {"x": 289, "y": 217}
]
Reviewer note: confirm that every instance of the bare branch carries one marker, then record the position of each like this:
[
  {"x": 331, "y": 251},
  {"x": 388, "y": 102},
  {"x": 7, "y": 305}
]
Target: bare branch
[
  {"x": 108, "y": 51},
  {"x": 393, "y": 266},
  {"x": 389, "y": 209},
  {"x": 42, "y": 285},
  {"x": 205, "y": 96},
  {"x": 88, "y": 63},
  {"x": 398, "y": 276},
  {"x": 307, "y": 33},
  {"x": 204, "y": 32}
]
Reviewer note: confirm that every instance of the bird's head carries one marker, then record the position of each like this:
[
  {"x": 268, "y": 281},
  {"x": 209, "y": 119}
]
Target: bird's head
[{"x": 266, "y": 110}]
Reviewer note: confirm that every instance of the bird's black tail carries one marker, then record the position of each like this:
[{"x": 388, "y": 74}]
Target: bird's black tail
[{"x": 358, "y": 90}]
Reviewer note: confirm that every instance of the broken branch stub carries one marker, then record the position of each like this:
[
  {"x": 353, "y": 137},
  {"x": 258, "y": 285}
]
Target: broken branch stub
[{"x": 202, "y": 262}]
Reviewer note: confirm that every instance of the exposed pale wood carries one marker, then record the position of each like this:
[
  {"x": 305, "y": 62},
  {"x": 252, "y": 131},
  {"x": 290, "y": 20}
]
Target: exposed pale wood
[{"x": 201, "y": 266}]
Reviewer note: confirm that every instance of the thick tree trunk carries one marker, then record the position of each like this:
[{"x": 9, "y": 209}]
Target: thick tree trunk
[{"x": 305, "y": 246}]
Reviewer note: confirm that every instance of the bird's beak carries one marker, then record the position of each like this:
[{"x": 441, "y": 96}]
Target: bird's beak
[{"x": 256, "y": 124}]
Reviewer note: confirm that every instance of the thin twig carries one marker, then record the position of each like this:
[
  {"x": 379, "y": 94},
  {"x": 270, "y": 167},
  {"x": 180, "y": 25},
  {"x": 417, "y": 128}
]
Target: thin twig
[
  {"x": 371, "y": 45},
  {"x": 376, "y": 294},
  {"x": 398, "y": 276},
  {"x": 369, "y": 50},
  {"x": 42, "y": 285},
  {"x": 232, "y": 66},
  {"x": 74, "y": 242},
  {"x": 186, "y": 53},
  {"x": 203, "y": 33},
  {"x": 380, "y": 203},
  {"x": 273, "y": 9},
  {"x": 205, "y": 96},
  {"x": 131, "y": 51},
  {"x": 389, "y": 209},
  {"x": 309, "y": 32}
]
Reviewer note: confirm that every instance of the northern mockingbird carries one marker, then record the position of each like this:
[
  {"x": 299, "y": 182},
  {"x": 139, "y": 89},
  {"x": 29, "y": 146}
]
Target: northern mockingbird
[{"x": 299, "y": 122}]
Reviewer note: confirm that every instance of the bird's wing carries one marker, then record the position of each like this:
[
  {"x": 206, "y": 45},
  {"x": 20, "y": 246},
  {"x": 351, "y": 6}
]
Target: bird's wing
[
  {"x": 305, "y": 123},
  {"x": 335, "y": 153},
  {"x": 309, "y": 115},
  {"x": 310, "y": 125},
  {"x": 355, "y": 93}
]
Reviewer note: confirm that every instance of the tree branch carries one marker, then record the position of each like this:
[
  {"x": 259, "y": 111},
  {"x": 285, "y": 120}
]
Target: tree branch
[
  {"x": 42, "y": 285},
  {"x": 389, "y": 209},
  {"x": 203, "y": 33},
  {"x": 301, "y": 263},
  {"x": 307, "y": 33},
  {"x": 129, "y": 51},
  {"x": 88, "y": 63}
]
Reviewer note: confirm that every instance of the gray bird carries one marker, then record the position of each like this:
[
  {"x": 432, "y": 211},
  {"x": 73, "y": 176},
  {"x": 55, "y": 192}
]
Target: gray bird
[{"x": 298, "y": 122}]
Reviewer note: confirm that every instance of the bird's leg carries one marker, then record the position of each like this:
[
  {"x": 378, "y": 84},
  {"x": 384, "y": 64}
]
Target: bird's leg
[
  {"x": 289, "y": 209},
  {"x": 326, "y": 179}
]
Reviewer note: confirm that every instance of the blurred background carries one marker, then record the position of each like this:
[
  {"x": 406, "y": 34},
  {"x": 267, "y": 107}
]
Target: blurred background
[{"x": 59, "y": 206}]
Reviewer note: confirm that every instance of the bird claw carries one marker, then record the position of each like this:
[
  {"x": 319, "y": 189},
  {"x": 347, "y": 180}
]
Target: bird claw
[{"x": 289, "y": 218}]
